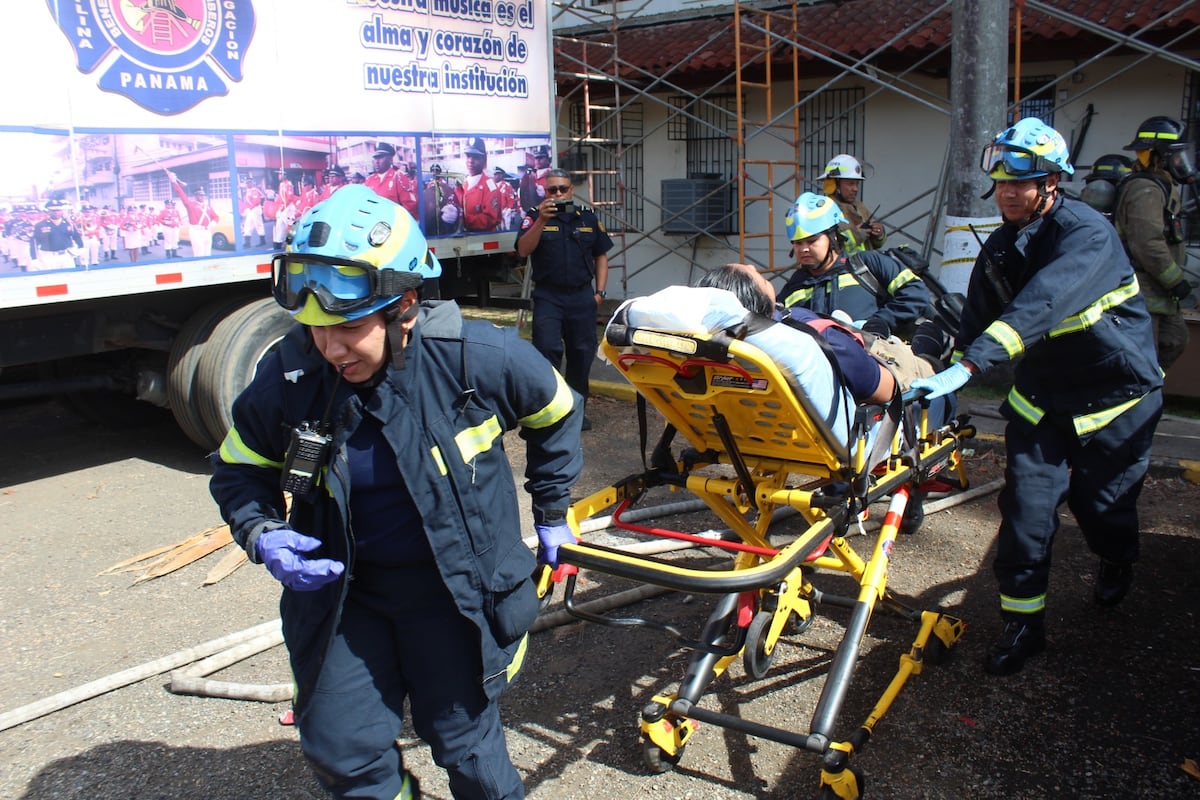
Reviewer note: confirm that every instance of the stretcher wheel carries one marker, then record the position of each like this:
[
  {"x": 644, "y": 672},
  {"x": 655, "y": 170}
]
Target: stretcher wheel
[
  {"x": 914, "y": 514},
  {"x": 755, "y": 658},
  {"x": 801, "y": 624},
  {"x": 656, "y": 760},
  {"x": 936, "y": 651},
  {"x": 852, "y": 792}
]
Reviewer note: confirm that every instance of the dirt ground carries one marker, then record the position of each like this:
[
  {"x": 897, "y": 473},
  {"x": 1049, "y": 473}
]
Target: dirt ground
[{"x": 1110, "y": 710}]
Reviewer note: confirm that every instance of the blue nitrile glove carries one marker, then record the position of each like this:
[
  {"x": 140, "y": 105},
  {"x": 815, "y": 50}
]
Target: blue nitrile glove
[
  {"x": 945, "y": 382},
  {"x": 549, "y": 539},
  {"x": 280, "y": 550}
]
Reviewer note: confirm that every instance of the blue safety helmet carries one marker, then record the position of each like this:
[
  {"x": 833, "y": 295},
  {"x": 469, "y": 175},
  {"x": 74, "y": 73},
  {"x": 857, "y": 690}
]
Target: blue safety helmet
[
  {"x": 350, "y": 256},
  {"x": 1028, "y": 149},
  {"x": 812, "y": 214}
]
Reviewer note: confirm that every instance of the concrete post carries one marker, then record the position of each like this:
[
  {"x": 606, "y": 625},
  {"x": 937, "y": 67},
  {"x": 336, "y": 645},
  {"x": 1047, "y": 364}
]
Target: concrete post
[{"x": 978, "y": 97}]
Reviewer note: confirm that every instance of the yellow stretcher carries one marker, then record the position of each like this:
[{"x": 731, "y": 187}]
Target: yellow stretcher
[{"x": 753, "y": 447}]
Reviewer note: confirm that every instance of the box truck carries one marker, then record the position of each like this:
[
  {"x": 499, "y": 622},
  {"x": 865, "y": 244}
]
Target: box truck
[{"x": 156, "y": 152}]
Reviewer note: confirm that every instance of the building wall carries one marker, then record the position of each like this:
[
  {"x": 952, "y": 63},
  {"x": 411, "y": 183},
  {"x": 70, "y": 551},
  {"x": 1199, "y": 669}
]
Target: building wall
[{"x": 906, "y": 142}]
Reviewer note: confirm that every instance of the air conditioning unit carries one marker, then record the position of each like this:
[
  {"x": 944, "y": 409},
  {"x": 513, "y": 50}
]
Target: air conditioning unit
[{"x": 698, "y": 205}]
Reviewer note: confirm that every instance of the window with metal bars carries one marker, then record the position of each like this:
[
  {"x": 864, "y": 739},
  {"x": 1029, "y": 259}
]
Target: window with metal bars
[
  {"x": 709, "y": 127},
  {"x": 1037, "y": 99},
  {"x": 1191, "y": 119},
  {"x": 610, "y": 158},
  {"x": 831, "y": 122}
]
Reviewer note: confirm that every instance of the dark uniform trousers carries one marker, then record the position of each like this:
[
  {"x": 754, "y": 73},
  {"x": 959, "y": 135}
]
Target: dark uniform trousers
[
  {"x": 1100, "y": 478},
  {"x": 401, "y": 636},
  {"x": 563, "y": 315}
]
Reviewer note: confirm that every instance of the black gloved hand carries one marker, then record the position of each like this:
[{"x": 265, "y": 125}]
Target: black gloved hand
[
  {"x": 878, "y": 327},
  {"x": 1181, "y": 290}
]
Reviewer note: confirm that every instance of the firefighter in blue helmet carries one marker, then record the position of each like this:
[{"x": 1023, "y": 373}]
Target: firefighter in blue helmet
[
  {"x": 403, "y": 569},
  {"x": 1053, "y": 287},
  {"x": 879, "y": 294}
]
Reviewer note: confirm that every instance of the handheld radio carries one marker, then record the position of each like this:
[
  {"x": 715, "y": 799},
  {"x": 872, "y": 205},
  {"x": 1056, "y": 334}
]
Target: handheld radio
[{"x": 308, "y": 451}]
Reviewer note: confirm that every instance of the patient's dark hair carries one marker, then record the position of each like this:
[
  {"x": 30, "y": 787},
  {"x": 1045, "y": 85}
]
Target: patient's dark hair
[{"x": 743, "y": 287}]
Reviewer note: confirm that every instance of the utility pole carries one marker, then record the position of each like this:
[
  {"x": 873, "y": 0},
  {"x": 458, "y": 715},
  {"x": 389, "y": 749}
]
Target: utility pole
[
  {"x": 978, "y": 98},
  {"x": 978, "y": 103}
]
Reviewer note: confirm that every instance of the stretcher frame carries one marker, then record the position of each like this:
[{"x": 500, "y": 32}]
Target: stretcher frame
[{"x": 734, "y": 408}]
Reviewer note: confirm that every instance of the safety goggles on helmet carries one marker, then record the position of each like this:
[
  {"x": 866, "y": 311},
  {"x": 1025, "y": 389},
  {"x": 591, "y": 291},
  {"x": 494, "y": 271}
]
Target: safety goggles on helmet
[
  {"x": 340, "y": 286},
  {"x": 1003, "y": 161}
]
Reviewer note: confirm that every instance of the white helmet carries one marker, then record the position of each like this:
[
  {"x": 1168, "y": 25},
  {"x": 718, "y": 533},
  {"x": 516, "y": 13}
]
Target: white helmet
[{"x": 843, "y": 167}]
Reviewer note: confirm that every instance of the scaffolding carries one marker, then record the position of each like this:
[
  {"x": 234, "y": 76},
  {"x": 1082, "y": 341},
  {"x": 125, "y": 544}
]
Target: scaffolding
[{"x": 602, "y": 120}]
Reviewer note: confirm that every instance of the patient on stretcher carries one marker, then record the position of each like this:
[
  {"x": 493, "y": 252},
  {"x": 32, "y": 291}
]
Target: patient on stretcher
[{"x": 814, "y": 359}]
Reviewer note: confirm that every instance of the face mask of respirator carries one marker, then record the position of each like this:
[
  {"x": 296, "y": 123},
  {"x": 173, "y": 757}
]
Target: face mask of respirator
[{"x": 1179, "y": 165}]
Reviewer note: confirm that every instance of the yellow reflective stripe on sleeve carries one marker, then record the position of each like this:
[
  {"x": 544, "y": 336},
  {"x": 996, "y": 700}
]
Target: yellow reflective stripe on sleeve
[
  {"x": 478, "y": 439},
  {"x": 1024, "y": 407},
  {"x": 518, "y": 661},
  {"x": 559, "y": 406},
  {"x": 798, "y": 296},
  {"x": 1092, "y": 314},
  {"x": 1023, "y": 605},
  {"x": 1090, "y": 423},
  {"x": 1171, "y": 275},
  {"x": 906, "y": 276},
  {"x": 1007, "y": 337},
  {"x": 234, "y": 451},
  {"x": 436, "y": 452},
  {"x": 956, "y": 356}
]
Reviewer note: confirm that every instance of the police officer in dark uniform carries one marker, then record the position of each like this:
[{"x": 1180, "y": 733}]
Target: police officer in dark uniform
[
  {"x": 1053, "y": 287},
  {"x": 54, "y": 237},
  {"x": 568, "y": 252}
]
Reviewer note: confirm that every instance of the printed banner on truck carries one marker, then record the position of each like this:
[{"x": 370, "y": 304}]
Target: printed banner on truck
[{"x": 162, "y": 129}]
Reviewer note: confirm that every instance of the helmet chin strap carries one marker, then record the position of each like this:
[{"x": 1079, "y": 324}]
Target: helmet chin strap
[
  {"x": 397, "y": 336},
  {"x": 1044, "y": 197}
]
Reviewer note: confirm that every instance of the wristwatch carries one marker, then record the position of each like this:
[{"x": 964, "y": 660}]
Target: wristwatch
[{"x": 601, "y": 293}]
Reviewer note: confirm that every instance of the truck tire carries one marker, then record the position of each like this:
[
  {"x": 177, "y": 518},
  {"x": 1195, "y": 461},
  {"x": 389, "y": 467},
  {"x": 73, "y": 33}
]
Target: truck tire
[
  {"x": 230, "y": 358},
  {"x": 183, "y": 364}
]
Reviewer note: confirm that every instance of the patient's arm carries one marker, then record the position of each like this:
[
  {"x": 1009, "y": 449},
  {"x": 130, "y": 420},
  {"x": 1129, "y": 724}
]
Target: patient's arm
[{"x": 887, "y": 386}]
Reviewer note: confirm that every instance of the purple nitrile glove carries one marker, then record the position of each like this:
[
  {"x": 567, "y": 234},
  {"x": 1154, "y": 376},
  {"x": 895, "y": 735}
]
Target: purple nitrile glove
[
  {"x": 549, "y": 539},
  {"x": 280, "y": 550}
]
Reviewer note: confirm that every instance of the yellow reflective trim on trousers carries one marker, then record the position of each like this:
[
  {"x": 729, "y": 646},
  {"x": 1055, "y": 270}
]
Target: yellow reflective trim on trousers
[
  {"x": 1092, "y": 314},
  {"x": 518, "y": 661},
  {"x": 798, "y": 296},
  {"x": 1026, "y": 409},
  {"x": 906, "y": 276},
  {"x": 559, "y": 407},
  {"x": 407, "y": 792},
  {"x": 1090, "y": 423},
  {"x": 1023, "y": 605},
  {"x": 478, "y": 439},
  {"x": 1007, "y": 337},
  {"x": 234, "y": 451},
  {"x": 436, "y": 452}
]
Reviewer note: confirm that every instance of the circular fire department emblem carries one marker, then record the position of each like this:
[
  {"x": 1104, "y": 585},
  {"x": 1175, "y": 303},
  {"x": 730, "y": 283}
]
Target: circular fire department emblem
[{"x": 165, "y": 55}]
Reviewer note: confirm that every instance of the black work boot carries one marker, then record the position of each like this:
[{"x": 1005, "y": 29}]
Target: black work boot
[
  {"x": 1112, "y": 582},
  {"x": 1023, "y": 637}
]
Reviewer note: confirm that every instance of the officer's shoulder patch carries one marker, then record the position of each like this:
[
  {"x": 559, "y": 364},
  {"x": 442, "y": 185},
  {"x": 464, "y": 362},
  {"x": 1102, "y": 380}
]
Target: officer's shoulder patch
[{"x": 526, "y": 223}]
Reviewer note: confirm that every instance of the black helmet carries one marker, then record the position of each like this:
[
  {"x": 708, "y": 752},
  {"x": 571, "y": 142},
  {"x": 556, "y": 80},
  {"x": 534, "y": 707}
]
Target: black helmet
[
  {"x": 1160, "y": 134},
  {"x": 1110, "y": 167}
]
